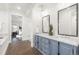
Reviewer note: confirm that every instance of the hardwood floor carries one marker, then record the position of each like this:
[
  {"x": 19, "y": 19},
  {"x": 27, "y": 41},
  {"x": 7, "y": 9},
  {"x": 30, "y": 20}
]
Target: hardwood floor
[{"x": 21, "y": 48}]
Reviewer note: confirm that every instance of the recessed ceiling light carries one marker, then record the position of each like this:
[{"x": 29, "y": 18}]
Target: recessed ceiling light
[{"x": 18, "y": 7}]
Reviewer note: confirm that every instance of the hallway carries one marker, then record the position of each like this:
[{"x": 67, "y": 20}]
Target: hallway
[{"x": 21, "y": 48}]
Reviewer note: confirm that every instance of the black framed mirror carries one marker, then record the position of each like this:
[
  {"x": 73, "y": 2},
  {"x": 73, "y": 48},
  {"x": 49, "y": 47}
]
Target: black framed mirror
[
  {"x": 45, "y": 24},
  {"x": 68, "y": 21}
]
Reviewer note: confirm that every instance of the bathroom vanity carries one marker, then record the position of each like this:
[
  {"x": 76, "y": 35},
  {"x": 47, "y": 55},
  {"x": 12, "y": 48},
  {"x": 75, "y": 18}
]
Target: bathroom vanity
[{"x": 56, "y": 45}]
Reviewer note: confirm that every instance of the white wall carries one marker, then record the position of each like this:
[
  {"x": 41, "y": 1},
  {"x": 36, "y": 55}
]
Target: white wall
[
  {"x": 36, "y": 22},
  {"x": 17, "y": 20},
  {"x": 5, "y": 20},
  {"x": 26, "y": 28},
  {"x": 37, "y": 14}
]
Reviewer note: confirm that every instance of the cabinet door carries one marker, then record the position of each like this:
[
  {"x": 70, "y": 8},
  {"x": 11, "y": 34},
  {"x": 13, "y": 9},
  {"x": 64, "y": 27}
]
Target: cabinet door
[
  {"x": 44, "y": 45},
  {"x": 46, "y": 48},
  {"x": 66, "y": 49},
  {"x": 53, "y": 47},
  {"x": 36, "y": 41}
]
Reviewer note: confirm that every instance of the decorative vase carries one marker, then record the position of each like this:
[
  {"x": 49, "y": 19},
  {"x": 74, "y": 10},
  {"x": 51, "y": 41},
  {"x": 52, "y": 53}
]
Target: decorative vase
[{"x": 50, "y": 30}]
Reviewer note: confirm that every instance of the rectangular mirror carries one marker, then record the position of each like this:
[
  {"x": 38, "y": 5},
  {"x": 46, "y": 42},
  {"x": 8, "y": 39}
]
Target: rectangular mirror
[
  {"x": 68, "y": 21},
  {"x": 45, "y": 24}
]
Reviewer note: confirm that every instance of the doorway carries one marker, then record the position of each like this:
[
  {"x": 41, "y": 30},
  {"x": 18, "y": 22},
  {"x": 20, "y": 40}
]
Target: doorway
[{"x": 16, "y": 34}]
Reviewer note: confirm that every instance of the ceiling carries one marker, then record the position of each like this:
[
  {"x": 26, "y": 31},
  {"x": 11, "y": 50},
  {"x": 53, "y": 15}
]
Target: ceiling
[{"x": 23, "y": 8}]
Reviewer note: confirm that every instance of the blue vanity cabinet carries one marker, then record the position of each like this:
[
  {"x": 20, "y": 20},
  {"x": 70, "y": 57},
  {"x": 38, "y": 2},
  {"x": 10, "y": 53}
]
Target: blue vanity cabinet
[
  {"x": 66, "y": 49},
  {"x": 36, "y": 41},
  {"x": 50, "y": 46},
  {"x": 53, "y": 47}
]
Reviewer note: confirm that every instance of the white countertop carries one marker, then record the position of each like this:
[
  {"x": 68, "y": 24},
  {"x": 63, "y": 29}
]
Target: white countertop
[{"x": 65, "y": 39}]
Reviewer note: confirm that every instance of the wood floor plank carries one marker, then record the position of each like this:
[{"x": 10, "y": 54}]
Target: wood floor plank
[{"x": 21, "y": 48}]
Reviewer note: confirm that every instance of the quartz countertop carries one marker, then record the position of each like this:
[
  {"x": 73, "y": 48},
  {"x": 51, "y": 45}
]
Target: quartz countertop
[{"x": 65, "y": 39}]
